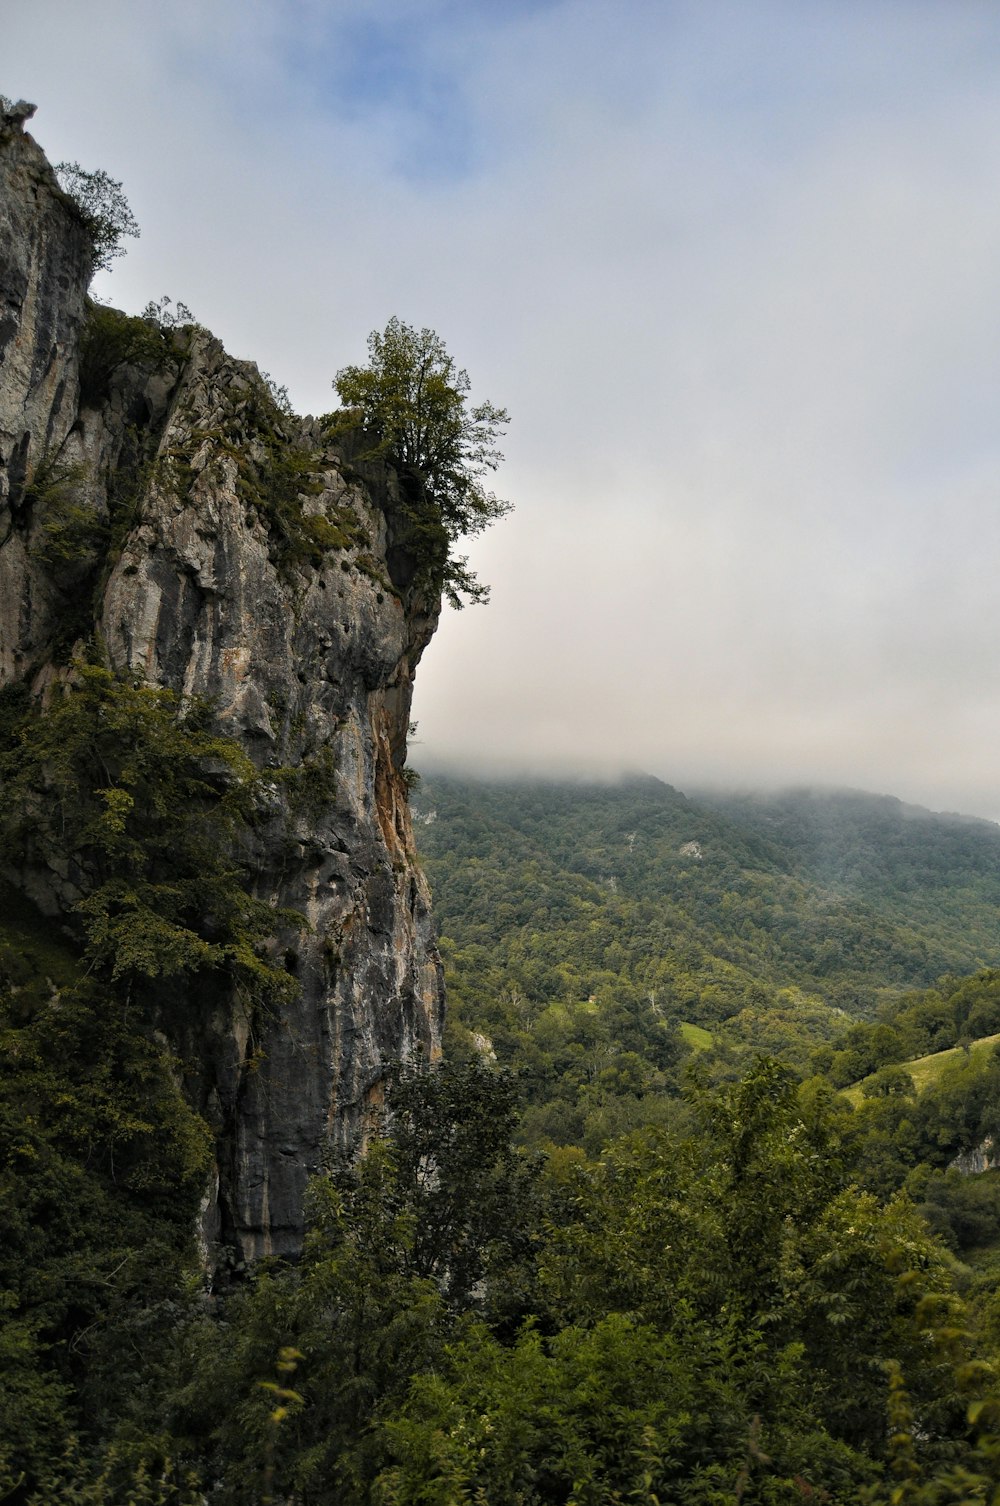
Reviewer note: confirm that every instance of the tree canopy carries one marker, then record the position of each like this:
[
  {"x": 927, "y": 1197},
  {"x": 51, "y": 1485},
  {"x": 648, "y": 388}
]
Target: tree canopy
[
  {"x": 104, "y": 208},
  {"x": 413, "y": 403}
]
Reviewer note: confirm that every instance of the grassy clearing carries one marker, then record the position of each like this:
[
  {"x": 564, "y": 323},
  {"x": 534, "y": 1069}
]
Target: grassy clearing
[
  {"x": 696, "y": 1037},
  {"x": 926, "y": 1070}
]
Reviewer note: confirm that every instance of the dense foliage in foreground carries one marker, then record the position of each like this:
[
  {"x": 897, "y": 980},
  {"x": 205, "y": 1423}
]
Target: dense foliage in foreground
[{"x": 704, "y": 1316}]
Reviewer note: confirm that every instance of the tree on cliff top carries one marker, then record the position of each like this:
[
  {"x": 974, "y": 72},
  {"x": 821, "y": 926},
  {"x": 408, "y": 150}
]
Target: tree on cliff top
[
  {"x": 413, "y": 404},
  {"x": 104, "y": 207}
]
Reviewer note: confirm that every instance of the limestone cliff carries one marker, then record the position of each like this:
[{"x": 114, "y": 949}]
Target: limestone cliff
[{"x": 154, "y": 500}]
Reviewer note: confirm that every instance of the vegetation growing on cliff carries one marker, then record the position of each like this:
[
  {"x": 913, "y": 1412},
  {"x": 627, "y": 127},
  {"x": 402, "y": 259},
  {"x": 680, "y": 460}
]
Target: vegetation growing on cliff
[
  {"x": 102, "y": 1165},
  {"x": 138, "y": 812},
  {"x": 70, "y": 530},
  {"x": 412, "y": 403},
  {"x": 103, "y": 207},
  {"x": 126, "y": 792},
  {"x": 111, "y": 341}
]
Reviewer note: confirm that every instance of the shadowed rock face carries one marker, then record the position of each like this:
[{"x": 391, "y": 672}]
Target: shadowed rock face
[
  {"x": 180, "y": 477},
  {"x": 45, "y": 259}
]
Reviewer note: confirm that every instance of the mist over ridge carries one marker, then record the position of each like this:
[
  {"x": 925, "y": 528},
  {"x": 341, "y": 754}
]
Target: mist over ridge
[{"x": 583, "y": 774}]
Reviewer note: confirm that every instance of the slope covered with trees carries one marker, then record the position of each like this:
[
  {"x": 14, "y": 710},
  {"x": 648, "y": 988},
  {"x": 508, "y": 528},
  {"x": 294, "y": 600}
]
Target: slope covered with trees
[
  {"x": 843, "y": 894},
  {"x": 581, "y": 925}
]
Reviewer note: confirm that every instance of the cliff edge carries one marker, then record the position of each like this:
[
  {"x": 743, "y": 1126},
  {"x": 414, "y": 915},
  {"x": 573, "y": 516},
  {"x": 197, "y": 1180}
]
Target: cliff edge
[{"x": 160, "y": 510}]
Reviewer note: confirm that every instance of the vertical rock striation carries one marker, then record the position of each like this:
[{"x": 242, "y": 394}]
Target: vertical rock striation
[{"x": 155, "y": 500}]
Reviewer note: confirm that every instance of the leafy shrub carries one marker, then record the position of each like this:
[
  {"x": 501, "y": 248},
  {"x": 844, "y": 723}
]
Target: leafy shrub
[
  {"x": 124, "y": 785},
  {"x": 111, "y": 341},
  {"x": 166, "y": 314},
  {"x": 69, "y": 528}
]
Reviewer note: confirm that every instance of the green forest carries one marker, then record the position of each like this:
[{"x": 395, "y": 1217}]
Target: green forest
[
  {"x": 599, "y": 935},
  {"x": 682, "y": 1217}
]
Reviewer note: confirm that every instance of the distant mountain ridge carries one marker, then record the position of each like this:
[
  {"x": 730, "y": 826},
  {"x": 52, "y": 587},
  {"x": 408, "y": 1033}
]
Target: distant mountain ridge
[
  {"x": 905, "y": 860},
  {"x": 839, "y": 893}
]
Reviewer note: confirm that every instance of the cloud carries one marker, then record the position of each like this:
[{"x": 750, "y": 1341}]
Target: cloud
[{"x": 731, "y": 268}]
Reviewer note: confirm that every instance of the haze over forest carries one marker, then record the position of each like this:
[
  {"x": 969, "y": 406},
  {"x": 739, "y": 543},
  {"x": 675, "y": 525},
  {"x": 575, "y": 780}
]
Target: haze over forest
[{"x": 731, "y": 267}]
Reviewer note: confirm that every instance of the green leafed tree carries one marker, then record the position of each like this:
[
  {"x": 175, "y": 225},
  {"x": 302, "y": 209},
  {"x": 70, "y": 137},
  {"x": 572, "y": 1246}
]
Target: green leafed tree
[
  {"x": 434, "y": 1222},
  {"x": 104, "y": 208},
  {"x": 412, "y": 402}
]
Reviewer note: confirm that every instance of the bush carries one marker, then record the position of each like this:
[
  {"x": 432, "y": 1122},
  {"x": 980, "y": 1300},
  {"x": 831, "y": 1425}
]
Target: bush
[{"x": 112, "y": 340}]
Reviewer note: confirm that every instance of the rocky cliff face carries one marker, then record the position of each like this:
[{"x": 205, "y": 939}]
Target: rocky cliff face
[
  {"x": 982, "y": 1157},
  {"x": 155, "y": 501}
]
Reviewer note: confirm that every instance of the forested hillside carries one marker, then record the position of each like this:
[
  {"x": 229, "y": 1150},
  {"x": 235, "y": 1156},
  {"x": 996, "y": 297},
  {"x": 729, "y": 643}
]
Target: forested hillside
[
  {"x": 583, "y": 925},
  {"x": 843, "y": 894},
  {"x": 935, "y": 871}
]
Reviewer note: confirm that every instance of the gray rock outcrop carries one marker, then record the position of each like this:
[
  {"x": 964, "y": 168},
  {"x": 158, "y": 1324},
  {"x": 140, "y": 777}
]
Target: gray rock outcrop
[
  {"x": 979, "y": 1158},
  {"x": 155, "y": 500}
]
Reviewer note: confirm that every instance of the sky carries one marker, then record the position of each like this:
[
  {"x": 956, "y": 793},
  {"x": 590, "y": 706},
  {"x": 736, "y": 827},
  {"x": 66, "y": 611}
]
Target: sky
[{"x": 732, "y": 265}]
